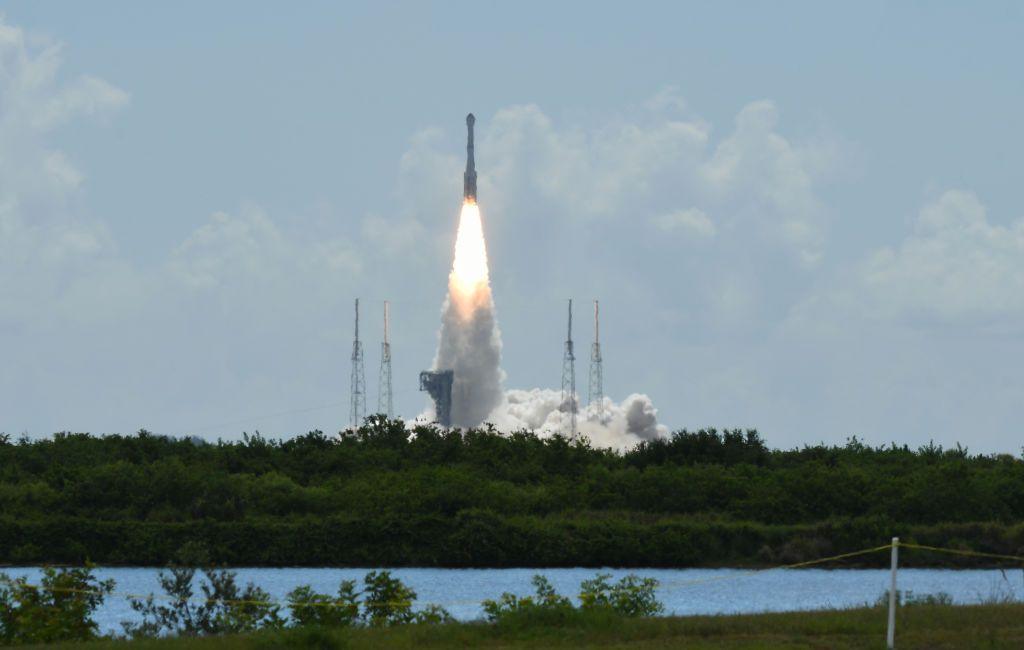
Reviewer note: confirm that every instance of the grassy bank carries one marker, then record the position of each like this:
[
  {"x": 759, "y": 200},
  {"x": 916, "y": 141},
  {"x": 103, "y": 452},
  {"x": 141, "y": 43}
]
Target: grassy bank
[{"x": 918, "y": 626}]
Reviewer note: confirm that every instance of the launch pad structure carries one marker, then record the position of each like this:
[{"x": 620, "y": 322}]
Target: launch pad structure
[{"x": 438, "y": 384}]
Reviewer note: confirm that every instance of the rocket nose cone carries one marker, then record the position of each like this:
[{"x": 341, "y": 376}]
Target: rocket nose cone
[{"x": 470, "y": 119}]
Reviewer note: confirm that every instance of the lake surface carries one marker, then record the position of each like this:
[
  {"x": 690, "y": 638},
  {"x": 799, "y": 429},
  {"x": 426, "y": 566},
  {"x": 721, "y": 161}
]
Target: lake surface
[{"x": 683, "y": 591}]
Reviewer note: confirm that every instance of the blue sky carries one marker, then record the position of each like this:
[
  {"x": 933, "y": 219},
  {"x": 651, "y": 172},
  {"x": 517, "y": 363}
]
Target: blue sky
[{"x": 798, "y": 217}]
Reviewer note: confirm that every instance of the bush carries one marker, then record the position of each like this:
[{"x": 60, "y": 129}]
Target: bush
[
  {"x": 59, "y": 609},
  {"x": 546, "y": 604},
  {"x": 631, "y": 596},
  {"x": 310, "y": 608},
  {"x": 223, "y": 607},
  {"x": 386, "y": 601}
]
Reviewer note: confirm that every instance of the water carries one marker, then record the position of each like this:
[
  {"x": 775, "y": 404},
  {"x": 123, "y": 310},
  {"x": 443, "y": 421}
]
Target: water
[{"x": 683, "y": 591}]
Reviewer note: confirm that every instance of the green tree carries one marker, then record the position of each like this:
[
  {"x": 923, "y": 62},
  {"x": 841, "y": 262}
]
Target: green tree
[{"x": 386, "y": 601}]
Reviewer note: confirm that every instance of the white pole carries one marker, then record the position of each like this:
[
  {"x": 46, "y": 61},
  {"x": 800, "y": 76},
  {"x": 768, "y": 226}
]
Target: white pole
[{"x": 890, "y": 638}]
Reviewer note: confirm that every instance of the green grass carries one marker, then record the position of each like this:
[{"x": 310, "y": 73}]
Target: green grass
[{"x": 918, "y": 626}]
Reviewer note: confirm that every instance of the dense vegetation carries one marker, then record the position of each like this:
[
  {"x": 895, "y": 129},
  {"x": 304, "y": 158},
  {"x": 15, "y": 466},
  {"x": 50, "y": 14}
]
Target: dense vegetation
[
  {"x": 61, "y": 608},
  {"x": 388, "y": 495}
]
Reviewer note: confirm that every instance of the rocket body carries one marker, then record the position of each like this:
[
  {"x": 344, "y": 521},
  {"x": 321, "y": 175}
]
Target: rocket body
[{"x": 469, "y": 178}]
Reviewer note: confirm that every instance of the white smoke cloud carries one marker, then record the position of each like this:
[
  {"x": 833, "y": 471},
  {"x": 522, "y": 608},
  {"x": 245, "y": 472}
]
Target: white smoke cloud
[
  {"x": 608, "y": 425},
  {"x": 616, "y": 425}
]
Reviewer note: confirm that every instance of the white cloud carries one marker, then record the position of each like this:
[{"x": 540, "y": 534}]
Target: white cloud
[
  {"x": 770, "y": 181},
  {"x": 84, "y": 96},
  {"x": 955, "y": 269},
  {"x": 50, "y": 257},
  {"x": 692, "y": 222}
]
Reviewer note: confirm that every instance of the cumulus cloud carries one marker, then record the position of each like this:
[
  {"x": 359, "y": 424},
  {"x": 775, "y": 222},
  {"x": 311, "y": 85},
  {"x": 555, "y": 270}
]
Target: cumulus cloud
[
  {"x": 955, "y": 269},
  {"x": 46, "y": 250},
  {"x": 775, "y": 179},
  {"x": 955, "y": 266}
]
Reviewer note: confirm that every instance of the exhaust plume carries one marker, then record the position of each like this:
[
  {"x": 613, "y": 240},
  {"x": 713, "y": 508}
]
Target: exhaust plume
[{"x": 469, "y": 342}]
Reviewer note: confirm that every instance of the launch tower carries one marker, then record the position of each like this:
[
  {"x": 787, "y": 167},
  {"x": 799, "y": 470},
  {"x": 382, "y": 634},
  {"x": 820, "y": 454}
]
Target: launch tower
[
  {"x": 595, "y": 391},
  {"x": 569, "y": 380},
  {"x": 357, "y": 403},
  {"x": 385, "y": 404}
]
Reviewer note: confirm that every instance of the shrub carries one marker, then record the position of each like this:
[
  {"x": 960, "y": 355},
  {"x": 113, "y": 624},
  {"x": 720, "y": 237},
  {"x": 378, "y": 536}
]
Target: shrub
[
  {"x": 310, "y": 608},
  {"x": 631, "y": 596},
  {"x": 59, "y": 609},
  {"x": 222, "y": 608},
  {"x": 545, "y": 600}
]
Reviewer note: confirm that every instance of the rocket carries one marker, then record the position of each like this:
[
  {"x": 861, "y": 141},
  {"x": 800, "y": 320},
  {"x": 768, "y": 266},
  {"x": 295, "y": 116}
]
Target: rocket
[{"x": 469, "y": 178}]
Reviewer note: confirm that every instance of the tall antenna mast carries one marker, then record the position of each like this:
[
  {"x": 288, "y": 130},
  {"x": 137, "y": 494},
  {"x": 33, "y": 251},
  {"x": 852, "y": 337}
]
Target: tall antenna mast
[
  {"x": 357, "y": 406},
  {"x": 595, "y": 392},
  {"x": 384, "y": 403},
  {"x": 569, "y": 379}
]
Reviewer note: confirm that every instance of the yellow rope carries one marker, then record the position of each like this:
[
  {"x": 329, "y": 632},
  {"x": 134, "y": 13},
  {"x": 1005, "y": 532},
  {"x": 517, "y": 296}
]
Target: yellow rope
[{"x": 968, "y": 553}]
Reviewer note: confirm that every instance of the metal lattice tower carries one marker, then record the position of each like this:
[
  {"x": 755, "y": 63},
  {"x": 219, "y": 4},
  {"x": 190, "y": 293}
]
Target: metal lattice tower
[
  {"x": 595, "y": 392},
  {"x": 357, "y": 406},
  {"x": 569, "y": 379},
  {"x": 384, "y": 401}
]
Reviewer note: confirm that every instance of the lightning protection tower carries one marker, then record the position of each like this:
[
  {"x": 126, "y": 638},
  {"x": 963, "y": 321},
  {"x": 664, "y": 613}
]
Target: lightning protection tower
[
  {"x": 595, "y": 391},
  {"x": 569, "y": 379},
  {"x": 357, "y": 405},
  {"x": 384, "y": 401}
]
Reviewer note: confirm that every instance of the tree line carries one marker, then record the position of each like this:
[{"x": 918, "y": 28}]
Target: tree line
[{"x": 392, "y": 494}]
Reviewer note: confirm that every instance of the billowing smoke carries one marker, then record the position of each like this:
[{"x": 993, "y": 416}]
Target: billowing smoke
[
  {"x": 606, "y": 425},
  {"x": 470, "y": 343}
]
